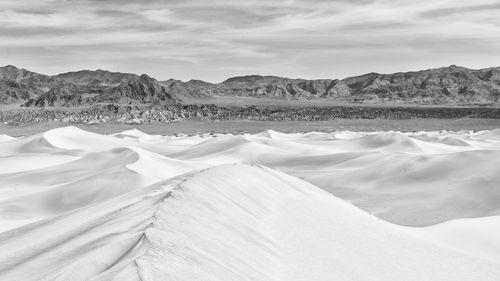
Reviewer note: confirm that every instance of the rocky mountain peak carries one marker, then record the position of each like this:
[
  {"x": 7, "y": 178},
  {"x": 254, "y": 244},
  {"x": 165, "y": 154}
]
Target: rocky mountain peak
[
  {"x": 146, "y": 79},
  {"x": 447, "y": 85}
]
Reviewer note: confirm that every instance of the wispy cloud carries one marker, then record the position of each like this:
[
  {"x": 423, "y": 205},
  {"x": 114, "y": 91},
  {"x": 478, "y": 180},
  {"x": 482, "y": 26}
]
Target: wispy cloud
[
  {"x": 454, "y": 10},
  {"x": 215, "y": 39}
]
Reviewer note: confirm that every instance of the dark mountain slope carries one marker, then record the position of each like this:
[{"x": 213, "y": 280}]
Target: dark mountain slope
[
  {"x": 18, "y": 85},
  {"x": 451, "y": 85},
  {"x": 56, "y": 97},
  {"x": 142, "y": 89},
  {"x": 259, "y": 86},
  {"x": 15, "y": 92},
  {"x": 447, "y": 85}
]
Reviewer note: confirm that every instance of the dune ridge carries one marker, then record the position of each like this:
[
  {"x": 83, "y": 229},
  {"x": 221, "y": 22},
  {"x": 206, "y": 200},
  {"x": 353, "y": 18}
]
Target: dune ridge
[{"x": 268, "y": 206}]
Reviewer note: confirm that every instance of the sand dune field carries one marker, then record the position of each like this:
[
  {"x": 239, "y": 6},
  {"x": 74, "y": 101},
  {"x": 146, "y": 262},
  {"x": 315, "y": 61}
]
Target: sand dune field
[{"x": 76, "y": 205}]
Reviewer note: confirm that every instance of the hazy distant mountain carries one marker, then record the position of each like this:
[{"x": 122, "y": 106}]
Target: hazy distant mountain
[
  {"x": 456, "y": 85},
  {"x": 260, "y": 86},
  {"x": 444, "y": 86},
  {"x": 447, "y": 85},
  {"x": 12, "y": 73},
  {"x": 97, "y": 78},
  {"x": 281, "y": 87}
]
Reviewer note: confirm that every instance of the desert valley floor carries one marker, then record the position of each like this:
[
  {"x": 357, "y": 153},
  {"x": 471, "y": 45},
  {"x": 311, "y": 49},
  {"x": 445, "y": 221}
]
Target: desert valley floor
[{"x": 342, "y": 205}]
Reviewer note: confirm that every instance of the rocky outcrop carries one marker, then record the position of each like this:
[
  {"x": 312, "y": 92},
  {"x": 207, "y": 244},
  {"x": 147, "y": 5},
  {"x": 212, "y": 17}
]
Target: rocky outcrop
[
  {"x": 18, "y": 85},
  {"x": 57, "y": 97},
  {"x": 131, "y": 89},
  {"x": 139, "y": 114},
  {"x": 142, "y": 89},
  {"x": 78, "y": 88},
  {"x": 15, "y": 92}
]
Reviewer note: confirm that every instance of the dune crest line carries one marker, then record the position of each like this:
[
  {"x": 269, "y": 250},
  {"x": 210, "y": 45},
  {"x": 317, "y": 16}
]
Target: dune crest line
[{"x": 76, "y": 205}]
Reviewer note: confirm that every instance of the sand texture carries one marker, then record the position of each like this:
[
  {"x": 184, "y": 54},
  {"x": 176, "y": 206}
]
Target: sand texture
[{"x": 383, "y": 205}]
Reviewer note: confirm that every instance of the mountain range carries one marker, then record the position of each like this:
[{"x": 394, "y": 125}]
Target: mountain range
[{"x": 451, "y": 85}]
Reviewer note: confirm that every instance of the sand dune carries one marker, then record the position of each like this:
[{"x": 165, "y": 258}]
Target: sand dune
[
  {"x": 75, "y": 205},
  {"x": 414, "y": 179},
  {"x": 4, "y": 137}
]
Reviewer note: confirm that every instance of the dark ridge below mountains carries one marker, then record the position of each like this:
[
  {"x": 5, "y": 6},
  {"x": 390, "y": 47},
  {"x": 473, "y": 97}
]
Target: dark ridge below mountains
[
  {"x": 144, "y": 114},
  {"x": 451, "y": 85}
]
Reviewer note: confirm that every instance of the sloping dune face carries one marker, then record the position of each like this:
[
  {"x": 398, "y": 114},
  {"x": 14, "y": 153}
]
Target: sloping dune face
[
  {"x": 75, "y": 205},
  {"x": 413, "y": 179}
]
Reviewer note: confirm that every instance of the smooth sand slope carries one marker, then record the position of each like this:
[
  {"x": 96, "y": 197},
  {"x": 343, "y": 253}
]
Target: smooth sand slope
[{"x": 76, "y": 205}]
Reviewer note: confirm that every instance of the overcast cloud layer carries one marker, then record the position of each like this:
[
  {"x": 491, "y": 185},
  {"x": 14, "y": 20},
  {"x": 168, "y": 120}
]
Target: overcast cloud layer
[{"x": 213, "y": 40}]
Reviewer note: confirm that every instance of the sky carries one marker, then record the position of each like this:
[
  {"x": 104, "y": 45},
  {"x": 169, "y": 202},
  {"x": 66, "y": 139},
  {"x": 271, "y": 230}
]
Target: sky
[{"x": 215, "y": 40}]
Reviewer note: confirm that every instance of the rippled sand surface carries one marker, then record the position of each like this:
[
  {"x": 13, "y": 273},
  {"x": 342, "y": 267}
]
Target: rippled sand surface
[{"x": 76, "y": 205}]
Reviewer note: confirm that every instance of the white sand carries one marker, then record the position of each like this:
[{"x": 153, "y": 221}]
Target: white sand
[{"x": 76, "y": 205}]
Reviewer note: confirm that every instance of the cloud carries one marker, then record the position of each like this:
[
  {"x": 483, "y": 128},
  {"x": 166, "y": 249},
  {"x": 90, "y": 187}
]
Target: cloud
[
  {"x": 215, "y": 39},
  {"x": 19, "y": 32},
  {"x": 448, "y": 11}
]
